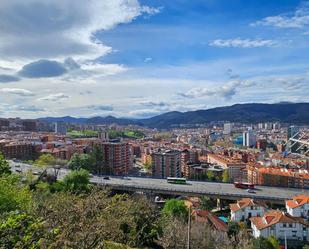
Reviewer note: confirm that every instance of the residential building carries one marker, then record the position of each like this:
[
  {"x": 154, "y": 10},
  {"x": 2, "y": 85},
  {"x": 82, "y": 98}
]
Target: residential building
[
  {"x": 166, "y": 163},
  {"x": 234, "y": 167},
  {"x": 278, "y": 177},
  {"x": 117, "y": 156},
  {"x": 60, "y": 127},
  {"x": 249, "y": 138},
  {"x": 280, "y": 225},
  {"x": 18, "y": 150},
  {"x": 246, "y": 208},
  {"x": 227, "y": 128},
  {"x": 298, "y": 206}
]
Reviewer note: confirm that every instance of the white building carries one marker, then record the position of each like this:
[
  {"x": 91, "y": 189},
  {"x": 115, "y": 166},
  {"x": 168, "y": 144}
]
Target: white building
[
  {"x": 298, "y": 206},
  {"x": 60, "y": 127},
  {"x": 281, "y": 225},
  {"x": 246, "y": 208},
  {"x": 249, "y": 138},
  {"x": 227, "y": 128}
]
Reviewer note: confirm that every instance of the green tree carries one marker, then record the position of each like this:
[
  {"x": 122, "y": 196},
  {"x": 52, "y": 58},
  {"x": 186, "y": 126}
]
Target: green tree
[
  {"x": 97, "y": 157},
  {"x": 45, "y": 161},
  {"x": 75, "y": 162},
  {"x": 13, "y": 194},
  {"x": 4, "y": 166},
  {"x": 210, "y": 175},
  {"x": 20, "y": 230},
  {"x": 275, "y": 243},
  {"x": 175, "y": 208},
  {"x": 262, "y": 243},
  {"x": 234, "y": 229},
  {"x": 207, "y": 203},
  {"x": 225, "y": 176},
  {"x": 77, "y": 181}
]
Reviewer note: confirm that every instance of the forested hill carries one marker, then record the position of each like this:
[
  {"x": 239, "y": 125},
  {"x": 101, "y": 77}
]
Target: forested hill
[{"x": 296, "y": 113}]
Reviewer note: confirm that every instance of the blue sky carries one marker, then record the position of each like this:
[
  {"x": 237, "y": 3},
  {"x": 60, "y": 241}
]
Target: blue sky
[{"x": 132, "y": 58}]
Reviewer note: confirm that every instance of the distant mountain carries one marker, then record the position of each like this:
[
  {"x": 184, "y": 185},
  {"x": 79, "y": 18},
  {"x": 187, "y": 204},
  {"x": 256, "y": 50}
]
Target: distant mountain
[
  {"x": 296, "y": 113},
  {"x": 67, "y": 119},
  {"x": 112, "y": 120}
]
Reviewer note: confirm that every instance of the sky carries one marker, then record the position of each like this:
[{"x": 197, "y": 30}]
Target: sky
[{"x": 141, "y": 58}]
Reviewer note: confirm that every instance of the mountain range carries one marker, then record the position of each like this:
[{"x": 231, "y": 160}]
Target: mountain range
[{"x": 294, "y": 113}]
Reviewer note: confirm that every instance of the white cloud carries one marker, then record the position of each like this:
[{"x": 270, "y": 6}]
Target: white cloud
[
  {"x": 226, "y": 91},
  {"x": 299, "y": 19},
  {"x": 59, "y": 29},
  {"x": 243, "y": 43},
  {"x": 54, "y": 97},
  {"x": 17, "y": 91}
]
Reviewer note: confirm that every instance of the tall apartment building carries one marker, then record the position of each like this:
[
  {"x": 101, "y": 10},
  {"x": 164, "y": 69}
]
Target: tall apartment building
[
  {"x": 19, "y": 150},
  {"x": 60, "y": 127},
  {"x": 188, "y": 157},
  {"x": 293, "y": 132},
  {"x": 29, "y": 125},
  {"x": 249, "y": 138},
  {"x": 117, "y": 158},
  {"x": 227, "y": 128},
  {"x": 166, "y": 163}
]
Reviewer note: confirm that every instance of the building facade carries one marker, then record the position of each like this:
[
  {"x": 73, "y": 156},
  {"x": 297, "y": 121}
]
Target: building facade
[
  {"x": 166, "y": 163},
  {"x": 117, "y": 157}
]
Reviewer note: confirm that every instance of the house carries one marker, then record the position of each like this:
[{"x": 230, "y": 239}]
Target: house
[
  {"x": 211, "y": 219},
  {"x": 281, "y": 225},
  {"x": 298, "y": 206},
  {"x": 246, "y": 208}
]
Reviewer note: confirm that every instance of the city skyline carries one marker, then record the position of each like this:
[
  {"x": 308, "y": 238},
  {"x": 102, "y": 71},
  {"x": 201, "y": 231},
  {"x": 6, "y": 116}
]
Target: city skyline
[{"x": 142, "y": 58}]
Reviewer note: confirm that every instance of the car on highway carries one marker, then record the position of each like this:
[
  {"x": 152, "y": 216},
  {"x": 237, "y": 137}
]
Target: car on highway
[
  {"x": 106, "y": 178},
  {"x": 251, "y": 191}
]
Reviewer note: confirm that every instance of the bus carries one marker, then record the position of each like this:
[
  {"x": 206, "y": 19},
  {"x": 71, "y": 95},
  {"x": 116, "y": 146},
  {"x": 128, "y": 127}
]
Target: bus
[
  {"x": 244, "y": 185},
  {"x": 176, "y": 180}
]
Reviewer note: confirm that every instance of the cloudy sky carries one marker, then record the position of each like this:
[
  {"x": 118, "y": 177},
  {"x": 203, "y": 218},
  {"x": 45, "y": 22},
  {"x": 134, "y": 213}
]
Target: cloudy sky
[{"x": 140, "y": 58}]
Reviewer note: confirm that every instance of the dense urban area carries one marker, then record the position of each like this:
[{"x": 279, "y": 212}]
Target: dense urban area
[{"x": 69, "y": 185}]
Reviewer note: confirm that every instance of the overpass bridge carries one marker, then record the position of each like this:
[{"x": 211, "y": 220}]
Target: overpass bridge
[{"x": 216, "y": 190}]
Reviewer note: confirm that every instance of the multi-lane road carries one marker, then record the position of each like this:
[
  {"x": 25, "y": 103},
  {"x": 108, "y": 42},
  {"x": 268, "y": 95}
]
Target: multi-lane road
[{"x": 192, "y": 188}]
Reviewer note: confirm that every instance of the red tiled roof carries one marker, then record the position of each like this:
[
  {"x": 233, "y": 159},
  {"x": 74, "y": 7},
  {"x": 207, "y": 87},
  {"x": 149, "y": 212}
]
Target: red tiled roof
[
  {"x": 208, "y": 217},
  {"x": 298, "y": 201},
  {"x": 245, "y": 202},
  {"x": 273, "y": 217}
]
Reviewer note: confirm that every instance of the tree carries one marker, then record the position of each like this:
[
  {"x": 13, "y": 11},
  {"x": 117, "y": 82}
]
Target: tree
[
  {"x": 45, "y": 161},
  {"x": 20, "y": 230},
  {"x": 97, "y": 157},
  {"x": 75, "y": 162},
  {"x": 77, "y": 181},
  {"x": 207, "y": 203},
  {"x": 262, "y": 243},
  {"x": 275, "y": 243},
  {"x": 176, "y": 208},
  {"x": 202, "y": 236},
  {"x": 234, "y": 228},
  {"x": 210, "y": 175},
  {"x": 4, "y": 166},
  {"x": 225, "y": 176},
  {"x": 14, "y": 195}
]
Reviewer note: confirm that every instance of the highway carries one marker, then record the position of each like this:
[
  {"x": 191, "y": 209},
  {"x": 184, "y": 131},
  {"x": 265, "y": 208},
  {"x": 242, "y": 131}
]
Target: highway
[{"x": 192, "y": 188}]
